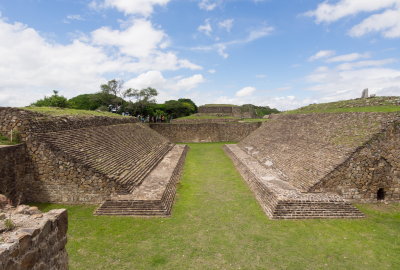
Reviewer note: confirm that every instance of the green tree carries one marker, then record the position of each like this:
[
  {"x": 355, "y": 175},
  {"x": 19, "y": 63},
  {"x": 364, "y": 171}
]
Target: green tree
[
  {"x": 53, "y": 101},
  {"x": 144, "y": 99}
]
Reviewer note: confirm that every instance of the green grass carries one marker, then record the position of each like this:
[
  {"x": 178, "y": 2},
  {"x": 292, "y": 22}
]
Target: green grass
[
  {"x": 53, "y": 111},
  {"x": 373, "y": 104},
  {"x": 387, "y": 108},
  {"x": 6, "y": 141},
  {"x": 217, "y": 224}
]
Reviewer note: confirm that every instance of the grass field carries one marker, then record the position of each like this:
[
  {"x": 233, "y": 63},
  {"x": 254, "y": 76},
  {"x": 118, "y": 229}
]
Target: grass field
[
  {"x": 217, "y": 224},
  {"x": 373, "y": 104},
  {"x": 54, "y": 111}
]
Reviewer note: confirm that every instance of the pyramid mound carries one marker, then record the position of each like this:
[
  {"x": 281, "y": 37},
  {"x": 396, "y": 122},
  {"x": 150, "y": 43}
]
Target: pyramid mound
[
  {"x": 94, "y": 159},
  {"x": 313, "y": 157}
]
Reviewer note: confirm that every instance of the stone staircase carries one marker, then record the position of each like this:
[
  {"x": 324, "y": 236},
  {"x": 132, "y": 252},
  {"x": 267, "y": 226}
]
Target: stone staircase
[
  {"x": 281, "y": 200},
  {"x": 155, "y": 196},
  {"x": 124, "y": 153}
]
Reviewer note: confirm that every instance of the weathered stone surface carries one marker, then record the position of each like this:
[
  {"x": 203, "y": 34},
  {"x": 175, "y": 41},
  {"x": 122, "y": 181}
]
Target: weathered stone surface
[
  {"x": 15, "y": 170},
  {"x": 364, "y": 93},
  {"x": 79, "y": 159},
  {"x": 226, "y": 110},
  {"x": 351, "y": 154},
  {"x": 155, "y": 196},
  {"x": 205, "y": 132},
  {"x": 35, "y": 243},
  {"x": 281, "y": 200}
]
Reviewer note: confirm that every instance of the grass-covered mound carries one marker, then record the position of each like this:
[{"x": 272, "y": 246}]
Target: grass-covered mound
[
  {"x": 217, "y": 224},
  {"x": 373, "y": 104},
  {"x": 54, "y": 111}
]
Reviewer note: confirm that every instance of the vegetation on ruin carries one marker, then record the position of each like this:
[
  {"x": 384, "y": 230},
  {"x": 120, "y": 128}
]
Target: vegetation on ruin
[
  {"x": 374, "y": 104},
  {"x": 7, "y": 141},
  {"x": 54, "y": 111},
  {"x": 112, "y": 97},
  {"x": 218, "y": 224}
]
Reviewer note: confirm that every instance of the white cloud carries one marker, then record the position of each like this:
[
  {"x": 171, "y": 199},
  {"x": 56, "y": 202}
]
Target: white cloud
[
  {"x": 212, "y": 71},
  {"x": 156, "y": 79},
  {"x": 326, "y": 12},
  {"x": 32, "y": 67},
  {"x": 261, "y": 76},
  {"x": 208, "y": 4},
  {"x": 321, "y": 54},
  {"x": 226, "y": 24},
  {"x": 246, "y": 91},
  {"x": 205, "y": 28},
  {"x": 387, "y": 22},
  {"x": 188, "y": 83},
  {"x": 370, "y": 63},
  {"x": 221, "y": 47},
  {"x": 346, "y": 82},
  {"x": 348, "y": 57},
  {"x": 139, "y": 40},
  {"x": 139, "y": 7},
  {"x": 72, "y": 17}
]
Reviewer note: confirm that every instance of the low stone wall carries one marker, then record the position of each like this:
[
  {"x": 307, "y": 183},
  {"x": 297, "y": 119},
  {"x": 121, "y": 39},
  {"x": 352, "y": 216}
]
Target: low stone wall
[
  {"x": 37, "y": 243},
  {"x": 198, "y": 121},
  {"x": 15, "y": 171},
  {"x": 206, "y": 132}
]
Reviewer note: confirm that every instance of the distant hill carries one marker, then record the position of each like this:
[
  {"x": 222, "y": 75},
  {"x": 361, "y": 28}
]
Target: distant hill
[{"x": 373, "y": 104}]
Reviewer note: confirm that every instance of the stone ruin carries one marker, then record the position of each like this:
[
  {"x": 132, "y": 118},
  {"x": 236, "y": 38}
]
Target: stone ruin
[
  {"x": 314, "y": 165},
  {"x": 226, "y": 110},
  {"x": 299, "y": 166},
  {"x": 31, "y": 240},
  {"x": 91, "y": 160},
  {"x": 364, "y": 93}
]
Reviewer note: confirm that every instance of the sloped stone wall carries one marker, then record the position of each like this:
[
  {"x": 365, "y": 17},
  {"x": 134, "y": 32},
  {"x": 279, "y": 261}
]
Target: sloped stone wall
[
  {"x": 206, "y": 132},
  {"x": 83, "y": 159},
  {"x": 353, "y": 154},
  {"x": 39, "y": 243},
  {"x": 15, "y": 171},
  {"x": 374, "y": 166}
]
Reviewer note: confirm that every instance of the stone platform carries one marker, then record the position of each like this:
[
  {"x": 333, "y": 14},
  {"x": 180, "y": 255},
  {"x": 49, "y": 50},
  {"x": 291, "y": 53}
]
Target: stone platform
[
  {"x": 155, "y": 196},
  {"x": 280, "y": 199}
]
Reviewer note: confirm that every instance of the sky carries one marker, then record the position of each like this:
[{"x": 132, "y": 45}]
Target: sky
[{"x": 279, "y": 53}]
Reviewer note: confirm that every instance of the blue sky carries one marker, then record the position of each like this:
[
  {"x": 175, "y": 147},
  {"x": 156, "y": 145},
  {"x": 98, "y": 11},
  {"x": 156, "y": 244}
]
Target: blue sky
[{"x": 283, "y": 54}]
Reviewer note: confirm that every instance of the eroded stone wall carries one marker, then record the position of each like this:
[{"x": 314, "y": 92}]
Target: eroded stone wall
[
  {"x": 372, "y": 167},
  {"x": 352, "y": 154},
  {"x": 205, "y": 132},
  {"x": 83, "y": 159},
  {"x": 37, "y": 242},
  {"x": 15, "y": 171},
  {"x": 216, "y": 109}
]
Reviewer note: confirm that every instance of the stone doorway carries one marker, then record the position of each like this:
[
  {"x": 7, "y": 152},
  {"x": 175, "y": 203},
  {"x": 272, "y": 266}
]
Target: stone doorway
[{"x": 380, "y": 195}]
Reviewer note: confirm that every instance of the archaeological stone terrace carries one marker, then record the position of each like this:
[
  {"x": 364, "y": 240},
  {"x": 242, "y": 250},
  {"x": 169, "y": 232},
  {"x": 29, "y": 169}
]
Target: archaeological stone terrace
[
  {"x": 88, "y": 160},
  {"x": 313, "y": 165},
  {"x": 298, "y": 166}
]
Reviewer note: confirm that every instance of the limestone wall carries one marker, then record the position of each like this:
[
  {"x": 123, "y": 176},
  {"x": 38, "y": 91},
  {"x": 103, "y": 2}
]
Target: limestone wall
[
  {"x": 83, "y": 159},
  {"x": 15, "y": 171},
  {"x": 205, "y": 132},
  {"x": 353, "y": 154},
  {"x": 372, "y": 167},
  {"x": 37, "y": 243},
  {"x": 27, "y": 122},
  {"x": 216, "y": 109}
]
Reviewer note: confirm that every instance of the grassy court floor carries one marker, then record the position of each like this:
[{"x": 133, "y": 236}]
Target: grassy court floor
[{"x": 217, "y": 224}]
